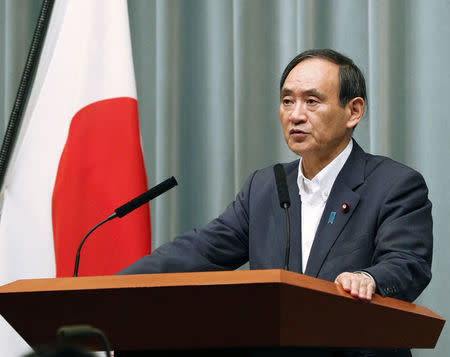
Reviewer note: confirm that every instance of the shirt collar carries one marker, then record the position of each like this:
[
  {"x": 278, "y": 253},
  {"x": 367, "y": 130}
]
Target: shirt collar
[{"x": 318, "y": 188}]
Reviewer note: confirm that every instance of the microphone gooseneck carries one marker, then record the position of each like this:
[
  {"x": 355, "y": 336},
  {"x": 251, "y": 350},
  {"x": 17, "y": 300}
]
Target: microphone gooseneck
[
  {"x": 77, "y": 258},
  {"x": 127, "y": 208},
  {"x": 285, "y": 202}
]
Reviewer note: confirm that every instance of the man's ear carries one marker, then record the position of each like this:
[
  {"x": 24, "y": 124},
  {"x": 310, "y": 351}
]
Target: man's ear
[{"x": 355, "y": 109}]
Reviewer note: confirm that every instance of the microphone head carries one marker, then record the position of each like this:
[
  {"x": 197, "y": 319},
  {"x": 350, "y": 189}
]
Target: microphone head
[
  {"x": 146, "y": 196},
  {"x": 280, "y": 180}
]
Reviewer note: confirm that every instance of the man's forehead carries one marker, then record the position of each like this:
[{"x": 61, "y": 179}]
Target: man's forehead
[
  {"x": 307, "y": 91},
  {"x": 313, "y": 73}
]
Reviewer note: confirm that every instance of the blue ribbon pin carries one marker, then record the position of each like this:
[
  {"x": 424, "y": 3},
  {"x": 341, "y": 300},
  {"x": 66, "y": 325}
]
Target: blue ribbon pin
[{"x": 331, "y": 218}]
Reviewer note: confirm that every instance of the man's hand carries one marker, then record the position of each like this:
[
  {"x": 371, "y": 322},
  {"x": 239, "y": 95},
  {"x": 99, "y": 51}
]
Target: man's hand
[{"x": 358, "y": 285}]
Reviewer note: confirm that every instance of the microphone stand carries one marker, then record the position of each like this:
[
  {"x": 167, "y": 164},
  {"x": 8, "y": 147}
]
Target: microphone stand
[{"x": 288, "y": 237}]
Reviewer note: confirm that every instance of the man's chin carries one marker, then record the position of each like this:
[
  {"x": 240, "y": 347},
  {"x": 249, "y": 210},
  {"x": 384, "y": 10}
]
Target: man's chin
[{"x": 300, "y": 149}]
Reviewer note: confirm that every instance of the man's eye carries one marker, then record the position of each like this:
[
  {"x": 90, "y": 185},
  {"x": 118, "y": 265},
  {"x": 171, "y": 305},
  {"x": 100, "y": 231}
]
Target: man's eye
[
  {"x": 311, "y": 101},
  {"x": 287, "y": 101}
]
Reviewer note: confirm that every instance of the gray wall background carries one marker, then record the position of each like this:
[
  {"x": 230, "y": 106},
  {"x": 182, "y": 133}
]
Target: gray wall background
[{"x": 207, "y": 75}]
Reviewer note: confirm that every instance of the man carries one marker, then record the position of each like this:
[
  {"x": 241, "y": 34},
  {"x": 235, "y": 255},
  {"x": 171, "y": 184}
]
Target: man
[{"x": 360, "y": 220}]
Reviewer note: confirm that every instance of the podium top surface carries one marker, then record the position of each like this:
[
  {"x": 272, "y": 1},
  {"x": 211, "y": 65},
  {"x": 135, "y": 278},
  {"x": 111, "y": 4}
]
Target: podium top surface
[
  {"x": 243, "y": 277},
  {"x": 214, "y": 309}
]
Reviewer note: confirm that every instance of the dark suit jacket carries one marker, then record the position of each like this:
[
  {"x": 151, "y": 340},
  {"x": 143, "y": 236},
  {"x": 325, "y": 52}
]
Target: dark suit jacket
[{"x": 387, "y": 230}]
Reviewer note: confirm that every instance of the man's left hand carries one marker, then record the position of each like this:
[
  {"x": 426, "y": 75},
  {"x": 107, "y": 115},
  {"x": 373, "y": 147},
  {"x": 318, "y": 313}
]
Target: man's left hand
[{"x": 358, "y": 285}]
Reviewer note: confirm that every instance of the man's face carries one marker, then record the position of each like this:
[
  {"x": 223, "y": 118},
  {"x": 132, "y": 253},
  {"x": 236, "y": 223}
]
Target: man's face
[{"x": 314, "y": 123}]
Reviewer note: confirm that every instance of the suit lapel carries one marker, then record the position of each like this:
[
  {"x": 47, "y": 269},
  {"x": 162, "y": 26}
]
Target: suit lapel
[
  {"x": 295, "y": 256},
  {"x": 334, "y": 219}
]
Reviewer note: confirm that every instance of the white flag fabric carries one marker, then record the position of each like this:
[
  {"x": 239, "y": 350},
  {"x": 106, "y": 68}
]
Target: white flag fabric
[{"x": 78, "y": 156}]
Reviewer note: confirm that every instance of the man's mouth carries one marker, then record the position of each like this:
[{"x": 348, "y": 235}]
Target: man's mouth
[{"x": 295, "y": 131}]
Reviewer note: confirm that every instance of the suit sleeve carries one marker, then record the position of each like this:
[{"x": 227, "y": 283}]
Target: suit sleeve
[
  {"x": 404, "y": 240},
  {"x": 221, "y": 245}
]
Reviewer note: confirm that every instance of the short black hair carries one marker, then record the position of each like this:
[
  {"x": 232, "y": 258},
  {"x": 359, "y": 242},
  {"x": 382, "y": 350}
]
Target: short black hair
[{"x": 351, "y": 80}]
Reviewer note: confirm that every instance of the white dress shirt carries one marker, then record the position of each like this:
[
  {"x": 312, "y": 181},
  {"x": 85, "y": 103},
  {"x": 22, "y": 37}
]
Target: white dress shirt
[{"x": 314, "y": 195}]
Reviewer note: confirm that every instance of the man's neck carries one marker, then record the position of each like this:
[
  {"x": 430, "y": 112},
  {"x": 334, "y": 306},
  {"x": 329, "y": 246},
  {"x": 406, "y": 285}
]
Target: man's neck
[{"x": 313, "y": 163}]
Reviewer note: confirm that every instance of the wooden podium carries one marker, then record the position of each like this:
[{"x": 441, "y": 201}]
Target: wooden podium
[{"x": 232, "y": 309}]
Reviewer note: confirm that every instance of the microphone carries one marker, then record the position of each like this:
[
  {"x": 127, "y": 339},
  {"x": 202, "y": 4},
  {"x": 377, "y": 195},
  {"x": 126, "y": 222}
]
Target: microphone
[
  {"x": 76, "y": 332},
  {"x": 280, "y": 179},
  {"x": 127, "y": 208},
  {"x": 285, "y": 202},
  {"x": 146, "y": 196}
]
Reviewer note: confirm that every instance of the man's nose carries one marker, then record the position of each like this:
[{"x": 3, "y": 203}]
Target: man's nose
[{"x": 298, "y": 115}]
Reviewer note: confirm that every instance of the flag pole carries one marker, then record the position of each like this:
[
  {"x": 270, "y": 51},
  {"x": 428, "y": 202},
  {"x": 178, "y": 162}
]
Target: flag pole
[{"x": 24, "y": 87}]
